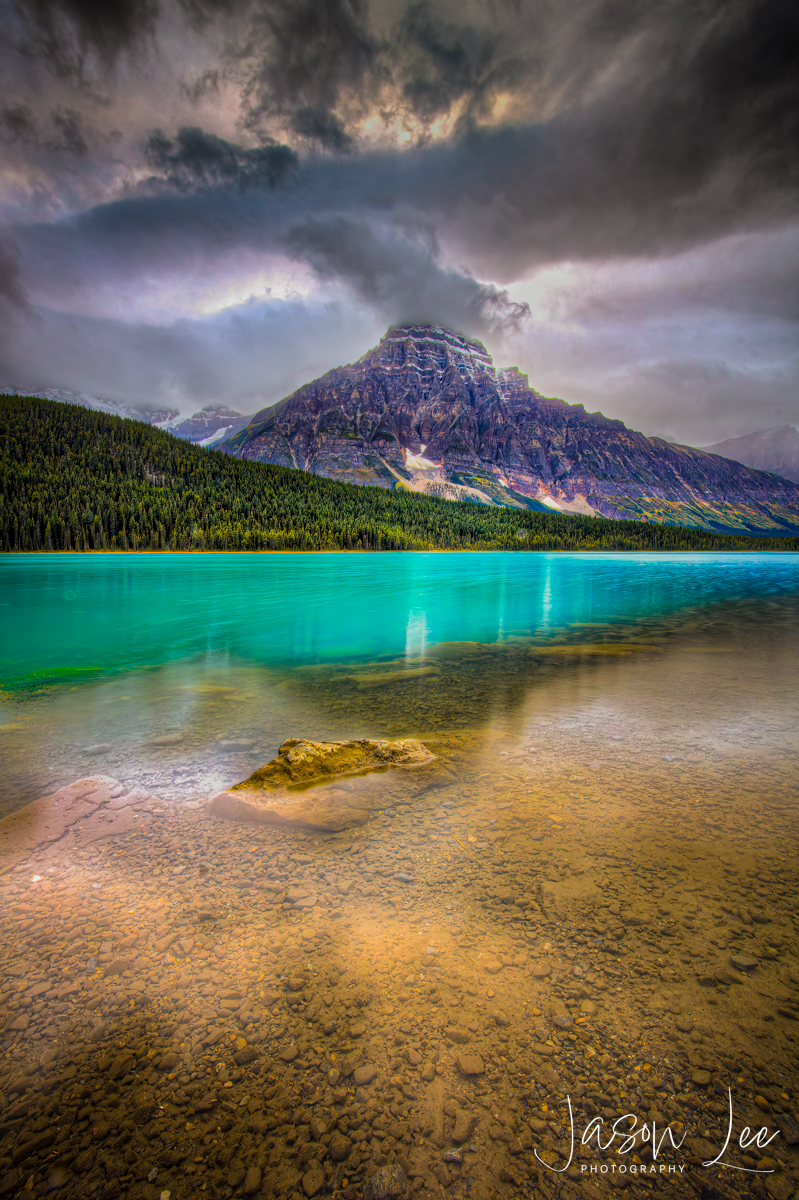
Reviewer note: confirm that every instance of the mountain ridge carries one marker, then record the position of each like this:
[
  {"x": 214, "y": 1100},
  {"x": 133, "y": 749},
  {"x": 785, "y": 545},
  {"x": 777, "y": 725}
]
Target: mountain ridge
[
  {"x": 206, "y": 427},
  {"x": 77, "y": 480},
  {"x": 427, "y": 410},
  {"x": 210, "y": 425},
  {"x": 772, "y": 450},
  {"x": 153, "y": 415}
]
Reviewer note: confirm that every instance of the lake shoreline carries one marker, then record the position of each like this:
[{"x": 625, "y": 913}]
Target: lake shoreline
[{"x": 415, "y": 553}]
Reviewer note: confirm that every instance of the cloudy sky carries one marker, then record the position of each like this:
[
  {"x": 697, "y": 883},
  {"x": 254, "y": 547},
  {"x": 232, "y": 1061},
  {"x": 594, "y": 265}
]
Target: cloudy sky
[{"x": 216, "y": 200}]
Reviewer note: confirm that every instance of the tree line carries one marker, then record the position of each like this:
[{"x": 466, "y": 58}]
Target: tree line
[{"x": 73, "y": 479}]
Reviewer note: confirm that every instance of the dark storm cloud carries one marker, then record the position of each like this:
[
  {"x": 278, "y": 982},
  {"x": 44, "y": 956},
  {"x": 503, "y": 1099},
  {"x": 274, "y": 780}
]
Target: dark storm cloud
[
  {"x": 63, "y": 130},
  {"x": 69, "y": 132},
  {"x": 444, "y": 61},
  {"x": 17, "y": 124},
  {"x": 587, "y": 130},
  {"x": 300, "y": 55},
  {"x": 646, "y": 127},
  {"x": 694, "y": 138},
  {"x": 64, "y": 32},
  {"x": 392, "y": 265},
  {"x": 158, "y": 234},
  {"x": 656, "y": 122},
  {"x": 204, "y": 85},
  {"x": 200, "y": 159},
  {"x": 395, "y": 269},
  {"x": 202, "y": 13},
  {"x": 320, "y": 125}
]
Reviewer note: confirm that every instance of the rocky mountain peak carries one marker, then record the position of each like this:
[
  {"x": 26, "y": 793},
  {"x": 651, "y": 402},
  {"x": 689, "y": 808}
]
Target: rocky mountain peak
[
  {"x": 430, "y": 350},
  {"x": 435, "y": 358},
  {"x": 427, "y": 411},
  {"x": 214, "y": 410}
]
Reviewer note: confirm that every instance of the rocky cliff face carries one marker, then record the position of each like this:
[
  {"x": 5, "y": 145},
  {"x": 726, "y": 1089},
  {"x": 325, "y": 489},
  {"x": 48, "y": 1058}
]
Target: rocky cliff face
[{"x": 427, "y": 410}]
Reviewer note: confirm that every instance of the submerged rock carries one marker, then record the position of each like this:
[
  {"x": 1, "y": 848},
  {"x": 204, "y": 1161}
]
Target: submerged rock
[
  {"x": 86, "y": 811},
  {"x": 302, "y": 761},
  {"x": 275, "y": 793},
  {"x": 389, "y": 1183}
]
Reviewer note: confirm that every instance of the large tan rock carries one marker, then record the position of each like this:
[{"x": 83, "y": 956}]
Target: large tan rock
[
  {"x": 319, "y": 785},
  {"x": 302, "y": 761}
]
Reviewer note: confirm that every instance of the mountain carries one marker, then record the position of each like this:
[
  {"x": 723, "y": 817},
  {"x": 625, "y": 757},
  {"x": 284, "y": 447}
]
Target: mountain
[
  {"x": 74, "y": 479},
  {"x": 210, "y": 425},
  {"x": 207, "y": 427},
  {"x": 154, "y": 416},
  {"x": 773, "y": 450},
  {"x": 427, "y": 411}
]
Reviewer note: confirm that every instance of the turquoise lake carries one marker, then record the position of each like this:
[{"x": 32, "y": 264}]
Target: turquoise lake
[
  {"x": 229, "y": 654},
  {"x": 104, "y": 613}
]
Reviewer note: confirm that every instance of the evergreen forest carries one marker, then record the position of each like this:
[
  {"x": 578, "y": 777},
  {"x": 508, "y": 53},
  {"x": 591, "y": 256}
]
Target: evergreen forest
[{"x": 72, "y": 479}]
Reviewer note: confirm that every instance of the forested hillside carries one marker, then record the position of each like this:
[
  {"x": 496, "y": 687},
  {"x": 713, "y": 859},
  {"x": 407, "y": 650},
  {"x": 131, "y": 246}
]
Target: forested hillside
[{"x": 75, "y": 479}]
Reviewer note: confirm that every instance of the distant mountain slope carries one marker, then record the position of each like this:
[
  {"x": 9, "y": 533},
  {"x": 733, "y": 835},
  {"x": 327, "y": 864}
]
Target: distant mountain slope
[
  {"x": 210, "y": 425},
  {"x": 774, "y": 450},
  {"x": 207, "y": 427},
  {"x": 73, "y": 479},
  {"x": 153, "y": 415},
  {"x": 426, "y": 410}
]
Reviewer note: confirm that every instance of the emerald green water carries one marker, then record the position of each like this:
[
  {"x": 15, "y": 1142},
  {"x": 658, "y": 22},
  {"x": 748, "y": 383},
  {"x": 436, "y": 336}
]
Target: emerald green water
[{"x": 101, "y": 655}]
